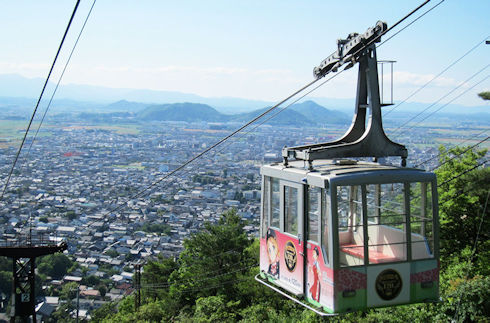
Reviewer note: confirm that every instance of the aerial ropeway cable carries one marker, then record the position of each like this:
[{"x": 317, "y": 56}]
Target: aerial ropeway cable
[
  {"x": 353, "y": 47},
  {"x": 26, "y": 157},
  {"x": 39, "y": 100}
]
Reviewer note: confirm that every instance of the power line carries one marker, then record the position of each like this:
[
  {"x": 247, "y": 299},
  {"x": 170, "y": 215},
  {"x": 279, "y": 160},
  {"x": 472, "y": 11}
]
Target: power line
[
  {"x": 58, "y": 83},
  {"x": 467, "y": 149},
  {"x": 243, "y": 134},
  {"x": 470, "y": 258},
  {"x": 39, "y": 100},
  {"x": 451, "y": 101},
  {"x": 468, "y": 190},
  {"x": 412, "y": 22},
  {"x": 443, "y": 97},
  {"x": 255, "y": 119},
  {"x": 189, "y": 161},
  {"x": 207, "y": 277},
  {"x": 432, "y": 158},
  {"x": 437, "y": 76},
  {"x": 462, "y": 173}
]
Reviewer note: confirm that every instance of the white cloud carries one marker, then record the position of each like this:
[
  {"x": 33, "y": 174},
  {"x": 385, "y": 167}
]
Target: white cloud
[
  {"x": 414, "y": 79},
  {"x": 26, "y": 69}
]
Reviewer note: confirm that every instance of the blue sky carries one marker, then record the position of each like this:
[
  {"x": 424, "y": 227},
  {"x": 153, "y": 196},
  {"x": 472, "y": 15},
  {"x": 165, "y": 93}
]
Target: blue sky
[{"x": 259, "y": 50}]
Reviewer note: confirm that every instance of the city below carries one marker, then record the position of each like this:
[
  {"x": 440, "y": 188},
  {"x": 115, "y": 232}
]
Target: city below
[{"x": 98, "y": 183}]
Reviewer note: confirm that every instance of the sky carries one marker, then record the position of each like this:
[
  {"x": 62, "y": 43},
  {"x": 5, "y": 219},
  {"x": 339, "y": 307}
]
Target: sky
[{"x": 258, "y": 50}]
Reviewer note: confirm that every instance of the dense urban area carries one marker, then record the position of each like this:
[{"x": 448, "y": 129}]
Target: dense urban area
[{"x": 102, "y": 189}]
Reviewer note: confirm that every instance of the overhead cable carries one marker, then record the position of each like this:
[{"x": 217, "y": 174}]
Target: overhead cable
[
  {"x": 444, "y": 96},
  {"x": 462, "y": 173},
  {"x": 58, "y": 83},
  {"x": 213, "y": 146},
  {"x": 457, "y": 155},
  {"x": 451, "y": 101},
  {"x": 470, "y": 257},
  {"x": 409, "y": 24},
  {"x": 437, "y": 76},
  {"x": 432, "y": 158},
  {"x": 141, "y": 192},
  {"x": 39, "y": 100}
]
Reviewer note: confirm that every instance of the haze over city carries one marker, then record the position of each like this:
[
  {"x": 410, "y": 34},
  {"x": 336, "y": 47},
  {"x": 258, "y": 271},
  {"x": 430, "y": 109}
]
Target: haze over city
[{"x": 251, "y": 50}]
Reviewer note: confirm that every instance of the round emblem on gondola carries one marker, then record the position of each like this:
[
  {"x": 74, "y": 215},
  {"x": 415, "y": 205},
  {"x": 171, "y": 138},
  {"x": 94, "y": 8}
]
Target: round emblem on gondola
[
  {"x": 290, "y": 256},
  {"x": 388, "y": 284}
]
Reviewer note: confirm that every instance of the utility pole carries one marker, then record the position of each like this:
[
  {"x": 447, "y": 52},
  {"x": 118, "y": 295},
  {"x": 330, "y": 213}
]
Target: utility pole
[
  {"x": 78, "y": 300},
  {"x": 137, "y": 296}
]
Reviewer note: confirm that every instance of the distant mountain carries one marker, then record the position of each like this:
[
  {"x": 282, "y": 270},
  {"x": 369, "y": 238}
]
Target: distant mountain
[
  {"x": 14, "y": 85},
  {"x": 92, "y": 98},
  {"x": 190, "y": 112},
  {"x": 318, "y": 114},
  {"x": 303, "y": 114},
  {"x": 125, "y": 106},
  {"x": 285, "y": 117}
]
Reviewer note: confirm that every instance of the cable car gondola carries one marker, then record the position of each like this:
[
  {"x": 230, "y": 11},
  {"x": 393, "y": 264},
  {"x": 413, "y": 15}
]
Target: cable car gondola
[{"x": 340, "y": 234}]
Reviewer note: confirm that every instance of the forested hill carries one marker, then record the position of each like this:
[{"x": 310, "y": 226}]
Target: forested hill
[
  {"x": 300, "y": 114},
  {"x": 213, "y": 278},
  {"x": 190, "y": 112}
]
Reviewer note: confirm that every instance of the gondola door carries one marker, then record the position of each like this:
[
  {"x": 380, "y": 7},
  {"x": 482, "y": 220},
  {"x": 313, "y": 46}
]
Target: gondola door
[
  {"x": 292, "y": 240},
  {"x": 314, "y": 255}
]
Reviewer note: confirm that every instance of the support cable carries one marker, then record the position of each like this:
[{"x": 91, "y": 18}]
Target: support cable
[
  {"x": 457, "y": 155},
  {"x": 58, "y": 83},
  {"x": 409, "y": 24},
  {"x": 451, "y": 101},
  {"x": 467, "y": 149},
  {"x": 437, "y": 76},
  {"x": 470, "y": 258},
  {"x": 462, "y": 173},
  {"x": 39, "y": 100},
  {"x": 206, "y": 275},
  {"x": 432, "y": 158},
  {"x": 396, "y": 24},
  {"x": 141, "y": 192},
  {"x": 444, "y": 96},
  {"x": 214, "y": 145},
  {"x": 321, "y": 84},
  {"x": 243, "y": 134}
]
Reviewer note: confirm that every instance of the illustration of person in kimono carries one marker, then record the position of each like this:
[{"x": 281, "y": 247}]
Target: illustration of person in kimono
[
  {"x": 273, "y": 254},
  {"x": 316, "y": 274}
]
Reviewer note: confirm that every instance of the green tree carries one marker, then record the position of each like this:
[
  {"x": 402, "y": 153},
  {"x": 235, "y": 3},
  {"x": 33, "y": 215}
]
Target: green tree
[
  {"x": 102, "y": 289},
  {"x": 55, "y": 265},
  {"x": 106, "y": 310},
  {"x": 211, "y": 261},
  {"x": 158, "y": 273},
  {"x": 112, "y": 253},
  {"x": 484, "y": 95},
  {"x": 91, "y": 280},
  {"x": 467, "y": 300},
  {"x": 63, "y": 313},
  {"x": 463, "y": 190},
  {"x": 215, "y": 309},
  {"x": 6, "y": 282},
  {"x": 69, "y": 291}
]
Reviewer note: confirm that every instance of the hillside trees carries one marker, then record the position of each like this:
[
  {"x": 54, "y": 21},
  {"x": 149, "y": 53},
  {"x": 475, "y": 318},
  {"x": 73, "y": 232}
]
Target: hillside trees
[
  {"x": 463, "y": 193},
  {"x": 55, "y": 265},
  {"x": 484, "y": 95},
  {"x": 211, "y": 261},
  {"x": 212, "y": 279}
]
